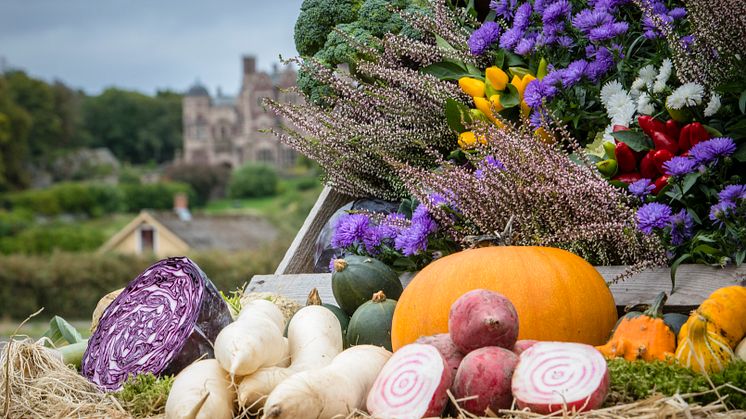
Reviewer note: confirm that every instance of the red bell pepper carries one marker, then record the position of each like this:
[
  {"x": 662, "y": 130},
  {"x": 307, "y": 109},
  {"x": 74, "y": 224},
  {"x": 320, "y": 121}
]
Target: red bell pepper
[
  {"x": 664, "y": 142},
  {"x": 660, "y": 157},
  {"x": 625, "y": 158},
  {"x": 647, "y": 166},
  {"x": 685, "y": 137},
  {"x": 673, "y": 129},
  {"x": 628, "y": 178},
  {"x": 698, "y": 134},
  {"x": 660, "y": 183},
  {"x": 650, "y": 125}
]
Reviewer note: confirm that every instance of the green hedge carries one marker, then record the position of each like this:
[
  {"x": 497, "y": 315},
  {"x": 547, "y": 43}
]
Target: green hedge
[
  {"x": 95, "y": 199},
  {"x": 46, "y": 238},
  {"x": 70, "y": 284}
]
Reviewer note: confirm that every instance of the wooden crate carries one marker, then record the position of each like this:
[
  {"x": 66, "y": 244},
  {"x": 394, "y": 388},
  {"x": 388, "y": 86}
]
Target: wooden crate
[{"x": 292, "y": 278}]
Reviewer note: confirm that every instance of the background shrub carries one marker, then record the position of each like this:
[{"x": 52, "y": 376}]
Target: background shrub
[
  {"x": 253, "y": 180},
  {"x": 206, "y": 181}
]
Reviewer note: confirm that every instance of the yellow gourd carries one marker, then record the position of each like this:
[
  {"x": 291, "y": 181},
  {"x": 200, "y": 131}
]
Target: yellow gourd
[
  {"x": 726, "y": 307},
  {"x": 702, "y": 346}
]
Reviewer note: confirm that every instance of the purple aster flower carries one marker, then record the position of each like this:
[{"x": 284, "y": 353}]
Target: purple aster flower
[
  {"x": 537, "y": 118},
  {"x": 510, "y": 38},
  {"x": 713, "y": 149},
  {"x": 550, "y": 31},
  {"x": 349, "y": 229},
  {"x": 392, "y": 225},
  {"x": 607, "y": 4},
  {"x": 372, "y": 238},
  {"x": 553, "y": 78},
  {"x": 522, "y": 16},
  {"x": 677, "y": 13},
  {"x": 565, "y": 41},
  {"x": 504, "y": 8},
  {"x": 653, "y": 215},
  {"x": 588, "y": 19},
  {"x": 602, "y": 33},
  {"x": 488, "y": 164},
  {"x": 536, "y": 91},
  {"x": 720, "y": 212},
  {"x": 687, "y": 41},
  {"x": 679, "y": 166},
  {"x": 603, "y": 62},
  {"x": 539, "y": 5},
  {"x": 682, "y": 226},
  {"x": 641, "y": 188},
  {"x": 412, "y": 240},
  {"x": 526, "y": 45},
  {"x": 437, "y": 199},
  {"x": 732, "y": 193},
  {"x": 557, "y": 11},
  {"x": 482, "y": 38},
  {"x": 573, "y": 73}
]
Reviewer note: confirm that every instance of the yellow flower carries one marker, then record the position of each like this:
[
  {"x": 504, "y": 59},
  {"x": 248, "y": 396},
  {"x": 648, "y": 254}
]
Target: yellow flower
[
  {"x": 544, "y": 136},
  {"x": 486, "y": 106},
  {"x": 467, "y": 139},
  {"x": 524, "y": 82},
  {"x": 496, "y": 77},
  {"x": 472, "y": 87},
  {"x": 516, "y": 82}
]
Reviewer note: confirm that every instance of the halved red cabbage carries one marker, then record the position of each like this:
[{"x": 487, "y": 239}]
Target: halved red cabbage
[{"x": 164, "y": 319}]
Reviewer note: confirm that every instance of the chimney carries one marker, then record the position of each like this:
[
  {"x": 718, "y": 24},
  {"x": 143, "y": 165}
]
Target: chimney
[
  {"x": 181, "y": 206},
  {"x": 249, "y": 64}
]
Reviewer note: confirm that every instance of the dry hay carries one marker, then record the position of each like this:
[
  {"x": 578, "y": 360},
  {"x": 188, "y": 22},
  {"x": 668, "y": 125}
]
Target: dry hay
[{"x": 34, "y": 383}]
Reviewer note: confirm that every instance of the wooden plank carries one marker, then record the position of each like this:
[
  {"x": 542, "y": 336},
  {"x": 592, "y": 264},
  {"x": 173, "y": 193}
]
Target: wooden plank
[
  {"x": 693, "y": 284},
  {"x": 299, "y": 256}
]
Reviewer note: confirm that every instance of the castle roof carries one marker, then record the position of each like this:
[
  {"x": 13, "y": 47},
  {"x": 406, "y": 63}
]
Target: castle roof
[{"x": 198, "y": 89}]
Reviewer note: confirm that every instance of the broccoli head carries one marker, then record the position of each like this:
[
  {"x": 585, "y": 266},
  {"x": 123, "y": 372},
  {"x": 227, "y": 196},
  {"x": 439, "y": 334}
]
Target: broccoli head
[
  {"x": 315, "y": 91},
  {"x": 379, "y": 16},
  {"x": 316, "y": 20},
  {"x": 341, "y": 44}
]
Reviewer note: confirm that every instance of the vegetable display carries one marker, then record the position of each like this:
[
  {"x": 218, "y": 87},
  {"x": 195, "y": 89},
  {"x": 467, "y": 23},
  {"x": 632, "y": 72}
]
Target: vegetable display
[
  {"x": 332, "y": 391},
  {"x": 201, "y": 391},
  {"x": 557, "y": 295},
  {"x": 443, "y": 343},
  {"x": 483, "y": 380},
  {"x": 413, "y": 384},
  {"x": 164, "y": 319},
  {"x": 371, "y": 322},
  {"x": 642, "y": 335},
  {"x": 314, "y": 338},
  {"x": 356, "y": 278},
  {"x": 482, "y": 318},
  {"x": 554, "y": 375},
  {"x": 254, "y": 340}
]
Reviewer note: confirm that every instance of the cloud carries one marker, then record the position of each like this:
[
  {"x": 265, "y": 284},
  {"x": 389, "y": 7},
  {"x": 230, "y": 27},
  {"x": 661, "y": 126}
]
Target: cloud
[{"x": 145, "y": 45}]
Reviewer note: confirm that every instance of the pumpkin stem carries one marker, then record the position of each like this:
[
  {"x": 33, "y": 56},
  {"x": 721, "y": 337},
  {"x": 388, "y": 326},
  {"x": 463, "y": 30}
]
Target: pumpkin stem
[
  {"x": 340, "y": 265},
  {"x": 656, "y": 309},
  {"x": 313, "y": 298},
  {"x": 494, "y": 239},
  {"x": 379, "y": 297}
]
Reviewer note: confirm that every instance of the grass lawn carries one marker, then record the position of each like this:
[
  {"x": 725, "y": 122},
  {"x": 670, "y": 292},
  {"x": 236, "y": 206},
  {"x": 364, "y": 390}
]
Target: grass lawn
[{"x": 36, "y": 328}]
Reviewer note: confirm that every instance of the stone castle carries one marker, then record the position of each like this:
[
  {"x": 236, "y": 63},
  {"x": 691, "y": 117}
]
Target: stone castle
[{"x": 225, "y": 130}]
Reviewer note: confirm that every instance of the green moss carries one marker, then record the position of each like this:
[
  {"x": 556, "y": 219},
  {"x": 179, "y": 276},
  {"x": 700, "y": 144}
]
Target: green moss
[
  {"x": 637, "y": 380},
  {"x": 145, "y": 395}
]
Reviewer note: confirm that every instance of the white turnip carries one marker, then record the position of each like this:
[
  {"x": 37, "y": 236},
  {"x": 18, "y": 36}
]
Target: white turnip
[{"x": 202, "y": 390}]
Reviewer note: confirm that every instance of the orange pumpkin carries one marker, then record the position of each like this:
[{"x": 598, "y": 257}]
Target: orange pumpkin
[{"x": 558, "y": 295}]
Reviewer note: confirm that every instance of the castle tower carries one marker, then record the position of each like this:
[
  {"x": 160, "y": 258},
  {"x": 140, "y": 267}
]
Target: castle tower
[{"x": 196, "y": 123}]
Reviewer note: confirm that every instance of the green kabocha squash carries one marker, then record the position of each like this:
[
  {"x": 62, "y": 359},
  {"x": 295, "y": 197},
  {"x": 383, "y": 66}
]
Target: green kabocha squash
[
  {"x": 315, "y": 300},
  {"x": 356, "y": 278},
  {"x": 371, "y": 322}
]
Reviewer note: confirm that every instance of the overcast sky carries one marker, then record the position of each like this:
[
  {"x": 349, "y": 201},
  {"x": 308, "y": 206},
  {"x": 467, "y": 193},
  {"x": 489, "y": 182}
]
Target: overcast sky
[{"x": 144, "y": 45}]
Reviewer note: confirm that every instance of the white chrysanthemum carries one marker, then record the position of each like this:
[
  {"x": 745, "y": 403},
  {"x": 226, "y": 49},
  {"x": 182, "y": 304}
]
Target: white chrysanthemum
[
  {"x": 611, "y": 88},
  {"x": 644, "y": 105},
  {"x": 638, "y": 84},
  {"x": 607, "y": 134},
  {"x": 621, "y": 108},
  {"x": 688, "y": 94},
  {"x": 713, "y": 106},
  {"x": 663, "y": 76},
  {"x": 647, "y": 75}
]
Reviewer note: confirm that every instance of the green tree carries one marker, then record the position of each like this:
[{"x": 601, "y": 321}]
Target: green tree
[
  {"x": 253, "y": 180},
  {"x": 15, "y": 124}
]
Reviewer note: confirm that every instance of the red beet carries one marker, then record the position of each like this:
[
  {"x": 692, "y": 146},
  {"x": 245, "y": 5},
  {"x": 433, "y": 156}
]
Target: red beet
[
  {"x": 413, "y": 384},
  {"x": 482, "y": 318},
  {"x": 522, "y": 345},
  {"x": 485, "y": 373},
  {"x": 443, "y": 343},
  {"x": 551, "y": 375}
]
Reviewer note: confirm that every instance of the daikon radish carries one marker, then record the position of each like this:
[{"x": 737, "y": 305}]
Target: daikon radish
[
  {"x": 551, "y": 375},
  {"x": 333, "y": 391},
  {"x": 315, "y": 338},
  {"x": 253, "y": 341},
  {"x": 202, "y": 390},
  {"x": 413, "y": 384}
]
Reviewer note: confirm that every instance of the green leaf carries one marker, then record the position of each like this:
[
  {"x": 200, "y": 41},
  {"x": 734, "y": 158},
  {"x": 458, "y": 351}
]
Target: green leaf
[
  {"x": 500, "y": 58},
  {"x": 510, "y": 98},
  {"x": 637, "y": 141},
  {"x": 474, "y": 71},
  {"x": 675, "y": 267},
  {"x": 519, "y": 71},
  {"x": 443, "y": 44},
  {"x": 515, "y": 60},
  {"x": 712, "y": 131},
  {"x": 689, "y": 181},
  {"x": 740, "y": 154},
  {"x": 457, "y": 114},
  {"x": 742, "y": 102},
  {"x": 447, "y": 70},
  {"x": 61, "y": 332},
  {"x": 740, "y": 256},
  {"x": 705, "y": 249}
]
